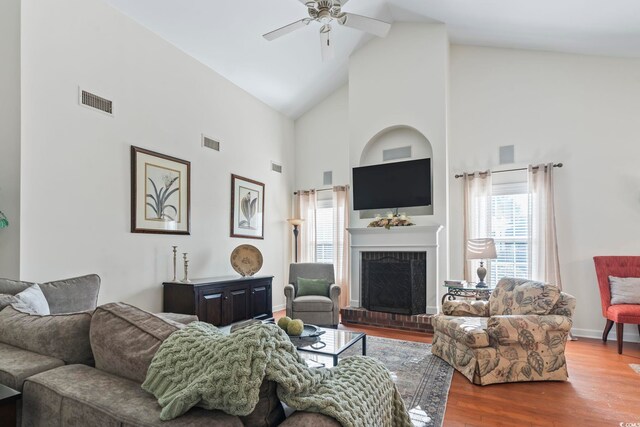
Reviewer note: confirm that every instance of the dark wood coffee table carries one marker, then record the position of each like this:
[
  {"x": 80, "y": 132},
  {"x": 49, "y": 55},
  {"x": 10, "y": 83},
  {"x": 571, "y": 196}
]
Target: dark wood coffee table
[{"x": 8, "y": 405}]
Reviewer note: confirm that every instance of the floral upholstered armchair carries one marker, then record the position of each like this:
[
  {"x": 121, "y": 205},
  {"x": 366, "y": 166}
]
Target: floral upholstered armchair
[{"x": 518, "y": 335}]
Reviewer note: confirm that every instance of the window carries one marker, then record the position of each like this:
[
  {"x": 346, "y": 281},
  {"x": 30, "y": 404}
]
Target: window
[
  {"x": 324, "y": 231},
  {"x": 510, "y": 230}
]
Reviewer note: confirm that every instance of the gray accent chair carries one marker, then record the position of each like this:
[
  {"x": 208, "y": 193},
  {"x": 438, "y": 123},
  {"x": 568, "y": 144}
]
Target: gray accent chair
[{"x": 316, "y": 310}]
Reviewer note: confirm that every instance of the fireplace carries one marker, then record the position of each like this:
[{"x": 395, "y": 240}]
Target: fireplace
[{"x": 394, "y": 282}]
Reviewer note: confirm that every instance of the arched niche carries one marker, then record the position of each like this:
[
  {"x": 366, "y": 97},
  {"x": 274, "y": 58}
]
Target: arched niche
[{"x": 397, "y": 144}]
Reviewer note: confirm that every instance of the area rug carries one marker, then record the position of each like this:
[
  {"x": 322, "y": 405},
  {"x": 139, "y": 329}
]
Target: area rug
[
  {"x": 635, "y": 367},
  {"x": 422, "y": 378}
]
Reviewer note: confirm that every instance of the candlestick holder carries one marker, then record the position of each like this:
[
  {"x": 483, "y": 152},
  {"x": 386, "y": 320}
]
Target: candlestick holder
[
  {"x": 186, "y": 269},
  {"x": 175, "y": 252}
]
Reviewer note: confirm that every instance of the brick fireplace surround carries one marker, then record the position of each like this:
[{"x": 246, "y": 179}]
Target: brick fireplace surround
[
  {"x": 401, "y": 239},
  {"x": 361, "y": 316}
]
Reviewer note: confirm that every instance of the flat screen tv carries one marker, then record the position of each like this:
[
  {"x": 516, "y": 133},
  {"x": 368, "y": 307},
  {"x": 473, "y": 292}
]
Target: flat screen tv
[{"x": 392, "y": 185}]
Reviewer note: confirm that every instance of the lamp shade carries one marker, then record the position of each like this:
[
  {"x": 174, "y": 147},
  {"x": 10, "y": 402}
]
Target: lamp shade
[
  {"x": 481, "y": 249},
  {"x": 295, "y": 221}
]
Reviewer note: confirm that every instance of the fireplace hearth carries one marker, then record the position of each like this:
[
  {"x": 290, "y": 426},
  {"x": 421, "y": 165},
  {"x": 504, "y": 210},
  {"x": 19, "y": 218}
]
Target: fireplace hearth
[{"x": 394, "y": 282}]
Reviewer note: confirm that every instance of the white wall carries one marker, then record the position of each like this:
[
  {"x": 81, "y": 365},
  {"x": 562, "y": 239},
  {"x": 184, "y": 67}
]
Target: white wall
[
  {"x": 322, "y": 142},
  {"x": 403, "y": 80},
  {"x": 76, "y": 165},
  {"x": 10, "y": 137},
  {"x": 580, "y": 110}
]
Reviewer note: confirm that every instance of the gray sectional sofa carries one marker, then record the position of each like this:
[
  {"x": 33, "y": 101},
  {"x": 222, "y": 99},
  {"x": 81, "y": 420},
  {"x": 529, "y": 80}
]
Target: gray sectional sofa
[{"x": 83, "y": 366}]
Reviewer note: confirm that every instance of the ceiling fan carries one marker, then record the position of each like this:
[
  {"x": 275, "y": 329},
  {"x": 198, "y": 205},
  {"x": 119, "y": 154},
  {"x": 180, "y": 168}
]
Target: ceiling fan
[{"x": 326, "y": 12}]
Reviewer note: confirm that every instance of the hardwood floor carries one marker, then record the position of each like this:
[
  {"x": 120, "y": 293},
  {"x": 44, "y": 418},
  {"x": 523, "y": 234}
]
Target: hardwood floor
[{"x": 602, "y": 390}]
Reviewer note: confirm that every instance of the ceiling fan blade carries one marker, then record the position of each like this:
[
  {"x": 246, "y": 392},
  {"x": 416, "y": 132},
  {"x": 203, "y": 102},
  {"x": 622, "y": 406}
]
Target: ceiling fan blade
[
  {"x": 286, "y": 29},
  {"x": 326, "y": 47},
  {"x": 363, "y": 23}
]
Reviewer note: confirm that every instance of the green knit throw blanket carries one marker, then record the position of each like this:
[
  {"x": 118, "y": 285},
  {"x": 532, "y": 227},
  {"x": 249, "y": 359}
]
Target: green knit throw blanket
[{"x": 199, "y": 365}]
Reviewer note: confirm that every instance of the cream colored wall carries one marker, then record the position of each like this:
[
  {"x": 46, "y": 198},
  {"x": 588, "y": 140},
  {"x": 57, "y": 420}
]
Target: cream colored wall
[
  {"x": 579, "y": 110},
  {"x": 76, "y": 163}
]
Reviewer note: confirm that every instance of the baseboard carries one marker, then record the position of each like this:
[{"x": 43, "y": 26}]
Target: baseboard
[
  {"x": 279, "y": 307},
  {"x": 632, "y": 336}
]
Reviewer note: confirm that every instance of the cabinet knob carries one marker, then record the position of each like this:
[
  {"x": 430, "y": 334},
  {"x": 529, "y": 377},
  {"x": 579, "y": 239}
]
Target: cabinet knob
[{"x": 225, "y": 298}]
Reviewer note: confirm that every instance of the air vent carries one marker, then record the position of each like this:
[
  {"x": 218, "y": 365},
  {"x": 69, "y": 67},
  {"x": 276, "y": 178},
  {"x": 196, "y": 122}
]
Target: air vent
[
  {"x": 327, "y": 178},
  {"x": 396, "y": 153},
  {"x": 94, "y": 101},
  {"x": 210, "y": 143},
  {"x": 276, "y": 167}
]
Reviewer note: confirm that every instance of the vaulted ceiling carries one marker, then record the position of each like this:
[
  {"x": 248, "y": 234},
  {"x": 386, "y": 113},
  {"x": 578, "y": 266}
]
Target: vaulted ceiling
[{"x": 289, "y": 75}]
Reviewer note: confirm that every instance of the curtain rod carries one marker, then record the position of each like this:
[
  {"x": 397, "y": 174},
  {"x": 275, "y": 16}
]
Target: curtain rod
[
  {"x": 555, "y": 165},
  {"x": 321, "y": 189}
]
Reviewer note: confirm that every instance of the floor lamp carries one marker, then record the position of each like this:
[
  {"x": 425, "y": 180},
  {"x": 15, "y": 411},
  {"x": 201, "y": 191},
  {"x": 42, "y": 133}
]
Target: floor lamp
[{"x": 296, "y": 222}]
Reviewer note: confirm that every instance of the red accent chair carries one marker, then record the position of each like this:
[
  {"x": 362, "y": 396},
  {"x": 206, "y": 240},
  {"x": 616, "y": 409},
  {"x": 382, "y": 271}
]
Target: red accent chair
[{"x": 617, "y": 266}]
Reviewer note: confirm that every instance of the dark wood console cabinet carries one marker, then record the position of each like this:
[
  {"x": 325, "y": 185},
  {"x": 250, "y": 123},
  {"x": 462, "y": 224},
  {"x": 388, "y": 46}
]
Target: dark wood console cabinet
[{"x": 221, "y": 300}]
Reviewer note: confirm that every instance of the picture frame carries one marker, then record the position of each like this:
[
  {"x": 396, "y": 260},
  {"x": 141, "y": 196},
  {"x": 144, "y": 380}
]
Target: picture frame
[
  {"x": 247, "y": 208},
  {"x": 160, "y": 193}
]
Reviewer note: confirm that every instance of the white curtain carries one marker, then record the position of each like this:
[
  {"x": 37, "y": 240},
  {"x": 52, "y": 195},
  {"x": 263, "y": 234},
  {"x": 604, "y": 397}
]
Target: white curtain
[
  {"x": 306, "y": 203},
  {"x": 477, "y": 215},
  {"x": 341, "y": 250},
  {"x": 543, "y": 248}
]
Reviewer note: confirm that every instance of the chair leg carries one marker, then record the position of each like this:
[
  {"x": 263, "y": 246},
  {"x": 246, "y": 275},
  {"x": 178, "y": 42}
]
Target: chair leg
[
  {"x": 607, "y": 329},
  {"x": 619, "y": 332}
]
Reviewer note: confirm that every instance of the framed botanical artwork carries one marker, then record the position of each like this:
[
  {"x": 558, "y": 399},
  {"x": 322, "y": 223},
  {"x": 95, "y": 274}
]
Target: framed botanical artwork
[
  {"x": 247, "y": 208},
  {"x": 160, "y": 193}
]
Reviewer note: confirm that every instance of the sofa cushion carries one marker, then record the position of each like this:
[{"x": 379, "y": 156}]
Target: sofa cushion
[
  {"x": 184, "y": 319},
  {"x": 78, "y": 395},
  {"x": 522, "y": 296},
  {"x": 62, "y": 336},
  {"x": 72, "y": 295},
  {"x": 17, "y": 365},
  {"x": 125, "y": 338},
  {"x": 312, "y": 303},
  {"x": 64, "y": 296},
  {"x": 268, "y": 411},
  {"x": 310, "y": 419},
  {"x": 12, "y": 287},
  {"x": 472, "y": 331}
]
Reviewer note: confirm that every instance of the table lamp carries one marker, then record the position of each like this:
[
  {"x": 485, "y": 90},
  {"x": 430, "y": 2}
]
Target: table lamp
[
  {"x": 481, "y": 249},
  {"x": 296, "y": 222}
]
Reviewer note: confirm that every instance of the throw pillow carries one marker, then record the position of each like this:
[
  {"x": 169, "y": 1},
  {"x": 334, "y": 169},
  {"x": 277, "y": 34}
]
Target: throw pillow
[
  {"x": 625, "y": 290},
  {"x": 319, "y": 287},
  {"x": 34, "y": 299}
]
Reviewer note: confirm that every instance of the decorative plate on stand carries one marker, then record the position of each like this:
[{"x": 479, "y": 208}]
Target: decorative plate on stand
[{"x": 246, "y": 260}]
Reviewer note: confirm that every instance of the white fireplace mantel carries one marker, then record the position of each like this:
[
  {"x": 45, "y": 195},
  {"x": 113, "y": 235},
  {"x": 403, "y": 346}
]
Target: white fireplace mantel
[{"x": 417, "y": 238}]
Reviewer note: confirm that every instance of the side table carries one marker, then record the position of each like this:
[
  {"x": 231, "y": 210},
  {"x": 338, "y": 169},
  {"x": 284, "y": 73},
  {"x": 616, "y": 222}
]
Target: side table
[
  {"x": 8, "y": 405},
  {"x": 458, "y": 291}
]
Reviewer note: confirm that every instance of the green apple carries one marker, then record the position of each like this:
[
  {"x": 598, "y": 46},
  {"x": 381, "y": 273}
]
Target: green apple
[
  {"x": 295, "y": 327},
  {"x": 283, "y": 322}
]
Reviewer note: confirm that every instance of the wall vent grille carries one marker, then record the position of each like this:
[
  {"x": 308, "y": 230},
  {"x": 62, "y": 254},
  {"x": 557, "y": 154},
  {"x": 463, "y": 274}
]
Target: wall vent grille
[
  {"x": 92, "y": 100},
  {"x": 396, "y": 153},
  {"x": 276, "y": 167},
  {"x": 210, "y": 143}
]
